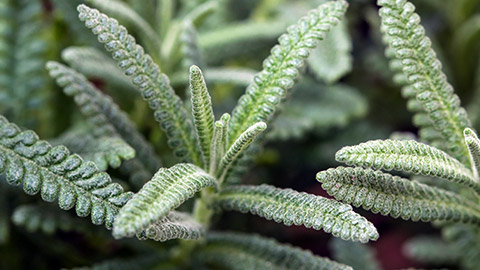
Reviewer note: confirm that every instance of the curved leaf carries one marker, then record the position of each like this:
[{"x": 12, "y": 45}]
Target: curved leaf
[
  {"x": 167, "y": 190},
  {"x": 398, "y": 197},
  {"x": 423, "y": 71},
  {"x": 154, "y": 85},
  {"x": 289, "y": 207},
  {"x": 56, "y": 174},
  {"x": 408, "y": 156},
  {"x": 269, "y": 87}
]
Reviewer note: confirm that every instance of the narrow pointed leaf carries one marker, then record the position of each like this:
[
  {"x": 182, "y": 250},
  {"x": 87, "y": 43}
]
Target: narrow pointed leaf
[
  {"x": 202, "y": 112},
  {"x": 167, "y": 190},
  {"x": 219, "y": 142},
  {"x": 395, "y": 196},
  {"x": 423, "y": 72},
  {"x": 239, "y": 146},
  {"x": 289, "y": 207},
  {"x": 154, "y": 85},
  {"x": 271, "y": 85},
  {"x": 244, "y": 251},
  {"x": 408, "y": 156}
]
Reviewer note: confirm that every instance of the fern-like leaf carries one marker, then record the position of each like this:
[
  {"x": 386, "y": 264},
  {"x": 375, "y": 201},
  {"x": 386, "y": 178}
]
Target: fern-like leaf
[
  {"x": 423, "y": 72},
  {"x": 408, "y": 156},
  {"x": 202, "y": 112},
  {"x": 289, "y": 207},
  {"x": 269, "y": 87},
  {"x": 243, "y": 251},
  {"x": 154, "y": 85},
  {"x": 104, "y": 115},
  {"x": 238, "y": 147},
  {"x": 358, "y": 256},
  {"x": 56, "y": 174},
  {"x": 395, "y": 196},
  {"x": 167, "y": 190},
  {"x": 176, "y": 225},
  {"x": 431, "y": 250},
  {"x": 128, "y": 16}
]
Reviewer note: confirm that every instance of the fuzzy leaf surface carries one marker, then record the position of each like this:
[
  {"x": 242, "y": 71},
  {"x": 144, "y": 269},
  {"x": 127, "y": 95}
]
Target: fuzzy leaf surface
[
  {"x": 423, "y": 72},
  {"x": 271, "y": 85},
  {"x": 167, "y": 190},
  {"x": 146, "y": 75},
  {"x": 408, "y": 156},
  {"x": 395, "y": 196},
  {"x": 55, "y": 174},
  {"x": 289, "y": 207}
]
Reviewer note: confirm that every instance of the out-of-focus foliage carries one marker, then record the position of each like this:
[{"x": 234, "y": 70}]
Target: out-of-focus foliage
[{"x": 153, "y": 103}]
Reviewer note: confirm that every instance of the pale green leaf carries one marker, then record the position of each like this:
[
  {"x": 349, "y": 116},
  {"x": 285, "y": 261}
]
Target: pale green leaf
[
  {"x": 290, "y": 207},
  {"x": 167, "y": 190},
  {"x": 395, "y": 196},
  {"x": 408, "y": 156}
]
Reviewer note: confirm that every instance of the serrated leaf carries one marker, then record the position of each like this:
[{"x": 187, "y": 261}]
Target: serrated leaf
[
  {"x": 106, "y": 118},
  {"x": 55, "y": 174},
  {"x": 127, "y": 15},
  {"x": 154, "y": 85},
  {"x": 395, "y": 196},
  {"x": 424, "y": 77},
  {"x": 271, "y": 85},
  {"x": 167, "y": 190},
  {"x": 243, "y": 251},
  {"x": 332, "y": 58},
  {"x": 408, "y": 156},
  {"x": 289, "y": 207}
]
